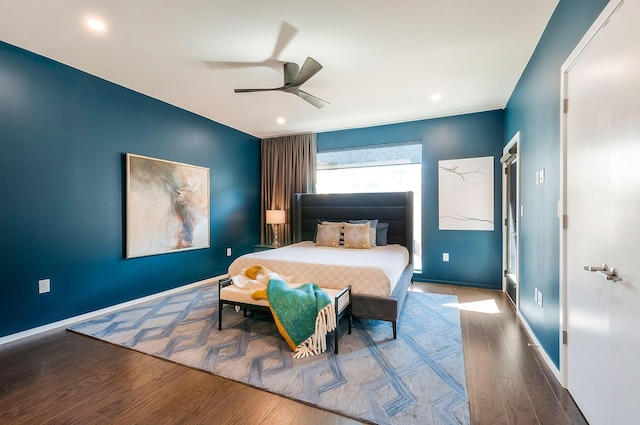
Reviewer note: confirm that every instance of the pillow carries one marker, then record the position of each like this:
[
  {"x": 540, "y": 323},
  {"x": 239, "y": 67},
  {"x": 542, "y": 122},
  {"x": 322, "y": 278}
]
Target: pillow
[
  {"x": 315, "y": 233},
  {"x": 372, "y": 223},
  {"x": 372, "y": 231},
  {"x": 381, "y": 234},
  {"x": 331, "y": 223},
  {"x": 328, "y": 235},
  {"x": 339, "y": 224},
  {"x": 357, "y": 236}
]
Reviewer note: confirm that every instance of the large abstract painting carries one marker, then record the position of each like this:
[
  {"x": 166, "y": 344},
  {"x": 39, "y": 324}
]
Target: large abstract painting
[
  {"x": 465, "y": 194},
  {"x": 167, "y": 206}
]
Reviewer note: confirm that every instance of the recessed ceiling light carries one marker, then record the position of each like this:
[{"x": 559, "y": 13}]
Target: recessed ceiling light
[
  {"x": 436, "y": 97},
  {"x": 96, "y": 24},
  {"x": 281, "y": 120}
]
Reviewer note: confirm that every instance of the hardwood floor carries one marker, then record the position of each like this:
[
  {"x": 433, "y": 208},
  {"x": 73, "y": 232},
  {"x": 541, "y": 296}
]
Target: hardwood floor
[
  {"x": 507, "y": 380},
  {"x": 62, "y": 378}
]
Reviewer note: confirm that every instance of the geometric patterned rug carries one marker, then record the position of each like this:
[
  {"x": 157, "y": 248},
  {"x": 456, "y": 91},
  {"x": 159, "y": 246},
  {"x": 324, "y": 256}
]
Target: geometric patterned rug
[{"x": 418, "y": 378}]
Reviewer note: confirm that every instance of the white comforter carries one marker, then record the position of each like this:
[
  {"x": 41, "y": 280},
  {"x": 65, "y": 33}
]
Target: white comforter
[{"x": 372, "y": 271}]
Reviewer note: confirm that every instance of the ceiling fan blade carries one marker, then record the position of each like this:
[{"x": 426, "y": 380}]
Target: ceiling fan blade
[
  {"x": 286, "y": 34},
  {"x": 290, "y": 71},
  {"x": 309, "y": 68},
  {"x": 254, "y": 90},
  {"x": 315, "y": 101},
  {"x": 270, "y": 63}
]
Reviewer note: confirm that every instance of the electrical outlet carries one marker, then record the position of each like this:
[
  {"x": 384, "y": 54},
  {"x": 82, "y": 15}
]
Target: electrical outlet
[
  {"x": 445, "y": 256},
  {"x": 44, "y": 286},
  {"x": 229, "y": 252}
]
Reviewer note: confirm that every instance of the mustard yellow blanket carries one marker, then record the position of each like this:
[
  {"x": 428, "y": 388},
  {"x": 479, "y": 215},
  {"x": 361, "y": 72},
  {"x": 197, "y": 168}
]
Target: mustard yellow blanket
[{"x": 304, "y": 315}]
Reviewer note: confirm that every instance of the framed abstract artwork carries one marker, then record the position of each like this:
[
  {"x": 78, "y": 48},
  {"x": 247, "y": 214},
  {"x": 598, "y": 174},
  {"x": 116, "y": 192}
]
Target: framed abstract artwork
[
  {"x": 465, "y": 194},
  {"x": 167, "y": 206}
]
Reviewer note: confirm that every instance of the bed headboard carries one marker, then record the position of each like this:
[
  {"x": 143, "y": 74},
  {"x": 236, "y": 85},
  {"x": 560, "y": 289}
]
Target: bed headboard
[{"x": 395, "y": 208}]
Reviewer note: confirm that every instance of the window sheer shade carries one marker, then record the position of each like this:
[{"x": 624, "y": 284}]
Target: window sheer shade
[{"x": 370, "y": 156}]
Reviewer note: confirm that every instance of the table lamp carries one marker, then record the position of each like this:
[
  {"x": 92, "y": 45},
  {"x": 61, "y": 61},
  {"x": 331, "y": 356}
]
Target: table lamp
[{"x": 275, "y": 217}]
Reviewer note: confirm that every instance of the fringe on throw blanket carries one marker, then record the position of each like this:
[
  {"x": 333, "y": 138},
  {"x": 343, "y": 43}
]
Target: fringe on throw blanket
[
  {"x": 295, "y": 310},
  {"x": 317, "y": 343}
]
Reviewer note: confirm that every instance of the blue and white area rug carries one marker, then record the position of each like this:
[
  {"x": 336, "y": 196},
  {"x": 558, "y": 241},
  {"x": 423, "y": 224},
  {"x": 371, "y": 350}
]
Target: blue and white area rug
[{"x": 418, "y": 378}]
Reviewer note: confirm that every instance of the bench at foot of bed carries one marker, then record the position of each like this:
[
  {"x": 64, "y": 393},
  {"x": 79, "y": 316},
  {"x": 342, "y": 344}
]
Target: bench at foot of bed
[{"x": 241, "y": 297}]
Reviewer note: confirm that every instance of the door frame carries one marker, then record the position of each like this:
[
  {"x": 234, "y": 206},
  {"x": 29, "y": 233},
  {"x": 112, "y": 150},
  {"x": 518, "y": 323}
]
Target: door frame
[
  {"x": 515, "y": 141},
  {"x": 573, "y": 58}
]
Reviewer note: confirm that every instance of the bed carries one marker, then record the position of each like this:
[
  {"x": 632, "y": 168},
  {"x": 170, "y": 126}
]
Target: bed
[{"x": 379, "y": 277}]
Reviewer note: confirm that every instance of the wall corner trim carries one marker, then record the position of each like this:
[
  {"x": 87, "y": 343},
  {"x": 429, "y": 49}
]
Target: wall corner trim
[{"x": 71, "y": 320}]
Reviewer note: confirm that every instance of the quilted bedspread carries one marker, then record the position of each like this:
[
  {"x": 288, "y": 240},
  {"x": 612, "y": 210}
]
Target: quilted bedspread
[{"x": 372, "y": 271}]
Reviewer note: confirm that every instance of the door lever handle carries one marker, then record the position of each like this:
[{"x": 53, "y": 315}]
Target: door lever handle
[
  {"x": 605, "y": 272},
  {"x": 602, "y": 268},
  {"x": 611, "y": 274}
]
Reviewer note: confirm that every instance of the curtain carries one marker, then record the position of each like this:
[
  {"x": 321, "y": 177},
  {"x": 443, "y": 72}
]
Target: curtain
[{"x": 288, "y": 167}]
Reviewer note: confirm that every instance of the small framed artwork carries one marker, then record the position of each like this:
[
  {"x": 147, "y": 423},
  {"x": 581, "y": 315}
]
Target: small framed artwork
[
  {"x": 167, "y": 206},
  {"x": 465, "y": 194}
]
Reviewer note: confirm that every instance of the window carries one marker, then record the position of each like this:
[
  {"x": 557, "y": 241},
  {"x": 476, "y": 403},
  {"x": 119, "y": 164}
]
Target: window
[{"x": 390, "y": 167}]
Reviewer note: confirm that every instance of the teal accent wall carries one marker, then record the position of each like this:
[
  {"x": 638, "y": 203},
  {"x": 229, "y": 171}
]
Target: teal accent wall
[
  {"x": 534, "y": 110},
  {"x": 63, "y": 135},
  {"x": 475, "y": 256}
]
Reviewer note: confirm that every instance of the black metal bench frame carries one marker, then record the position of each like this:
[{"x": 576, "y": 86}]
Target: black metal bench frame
[{"x": 255, "y": 307}]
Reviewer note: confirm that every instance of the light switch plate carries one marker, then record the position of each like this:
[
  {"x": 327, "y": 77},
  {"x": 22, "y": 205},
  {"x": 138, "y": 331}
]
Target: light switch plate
[
  {"x": 445, "y": 256},
  {"x": 44, "y": 286}
]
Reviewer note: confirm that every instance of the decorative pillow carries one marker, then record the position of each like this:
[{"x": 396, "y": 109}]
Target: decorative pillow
[
  {"x": 339, "y": 224},
  {"x": 372, "y": 223},
  {"x": 381, "y": 234},
  {"x": 315, "y": 233},
  {"x": 331, "y": 223},
  {"x": 372, "y": 232},
  {"x": 328, "y": 235},
  {"x": 357, "y": 236}
]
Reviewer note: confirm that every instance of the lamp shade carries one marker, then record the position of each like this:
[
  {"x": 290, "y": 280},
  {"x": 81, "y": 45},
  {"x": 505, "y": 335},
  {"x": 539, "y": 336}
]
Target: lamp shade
[{"x": 275, "y": 216}]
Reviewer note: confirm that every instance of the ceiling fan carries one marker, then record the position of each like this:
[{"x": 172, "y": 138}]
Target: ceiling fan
[
  {"x": 285, "y": 35},
  {"x": 294, "y": 77}
]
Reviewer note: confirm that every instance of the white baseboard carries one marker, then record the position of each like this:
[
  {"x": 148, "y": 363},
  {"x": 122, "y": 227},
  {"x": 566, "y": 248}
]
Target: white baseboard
[
  {"x": 545, "y": 356},
  {"x": 82, "y": 317}
]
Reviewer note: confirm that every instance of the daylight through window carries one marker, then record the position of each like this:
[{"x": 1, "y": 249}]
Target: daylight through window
[{"x": 390, "y": 167}]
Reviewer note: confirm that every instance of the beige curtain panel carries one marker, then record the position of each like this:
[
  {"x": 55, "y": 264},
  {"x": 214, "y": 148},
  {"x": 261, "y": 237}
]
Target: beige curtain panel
[{"x": 288, "y": 167}]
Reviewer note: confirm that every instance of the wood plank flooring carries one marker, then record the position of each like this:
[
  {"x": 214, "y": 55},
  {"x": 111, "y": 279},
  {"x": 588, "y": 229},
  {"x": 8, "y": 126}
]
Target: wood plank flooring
[{"x": 63, "y": 378}]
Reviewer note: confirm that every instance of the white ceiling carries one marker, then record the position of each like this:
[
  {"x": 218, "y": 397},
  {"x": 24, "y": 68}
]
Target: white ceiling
[{"x": 382, "y": 60}]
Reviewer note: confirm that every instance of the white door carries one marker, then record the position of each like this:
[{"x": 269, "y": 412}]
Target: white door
[{"x": 603, "y": 208}]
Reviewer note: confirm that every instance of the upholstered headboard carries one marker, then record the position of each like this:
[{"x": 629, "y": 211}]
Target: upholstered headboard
[{"x": 395, "y": 208}]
